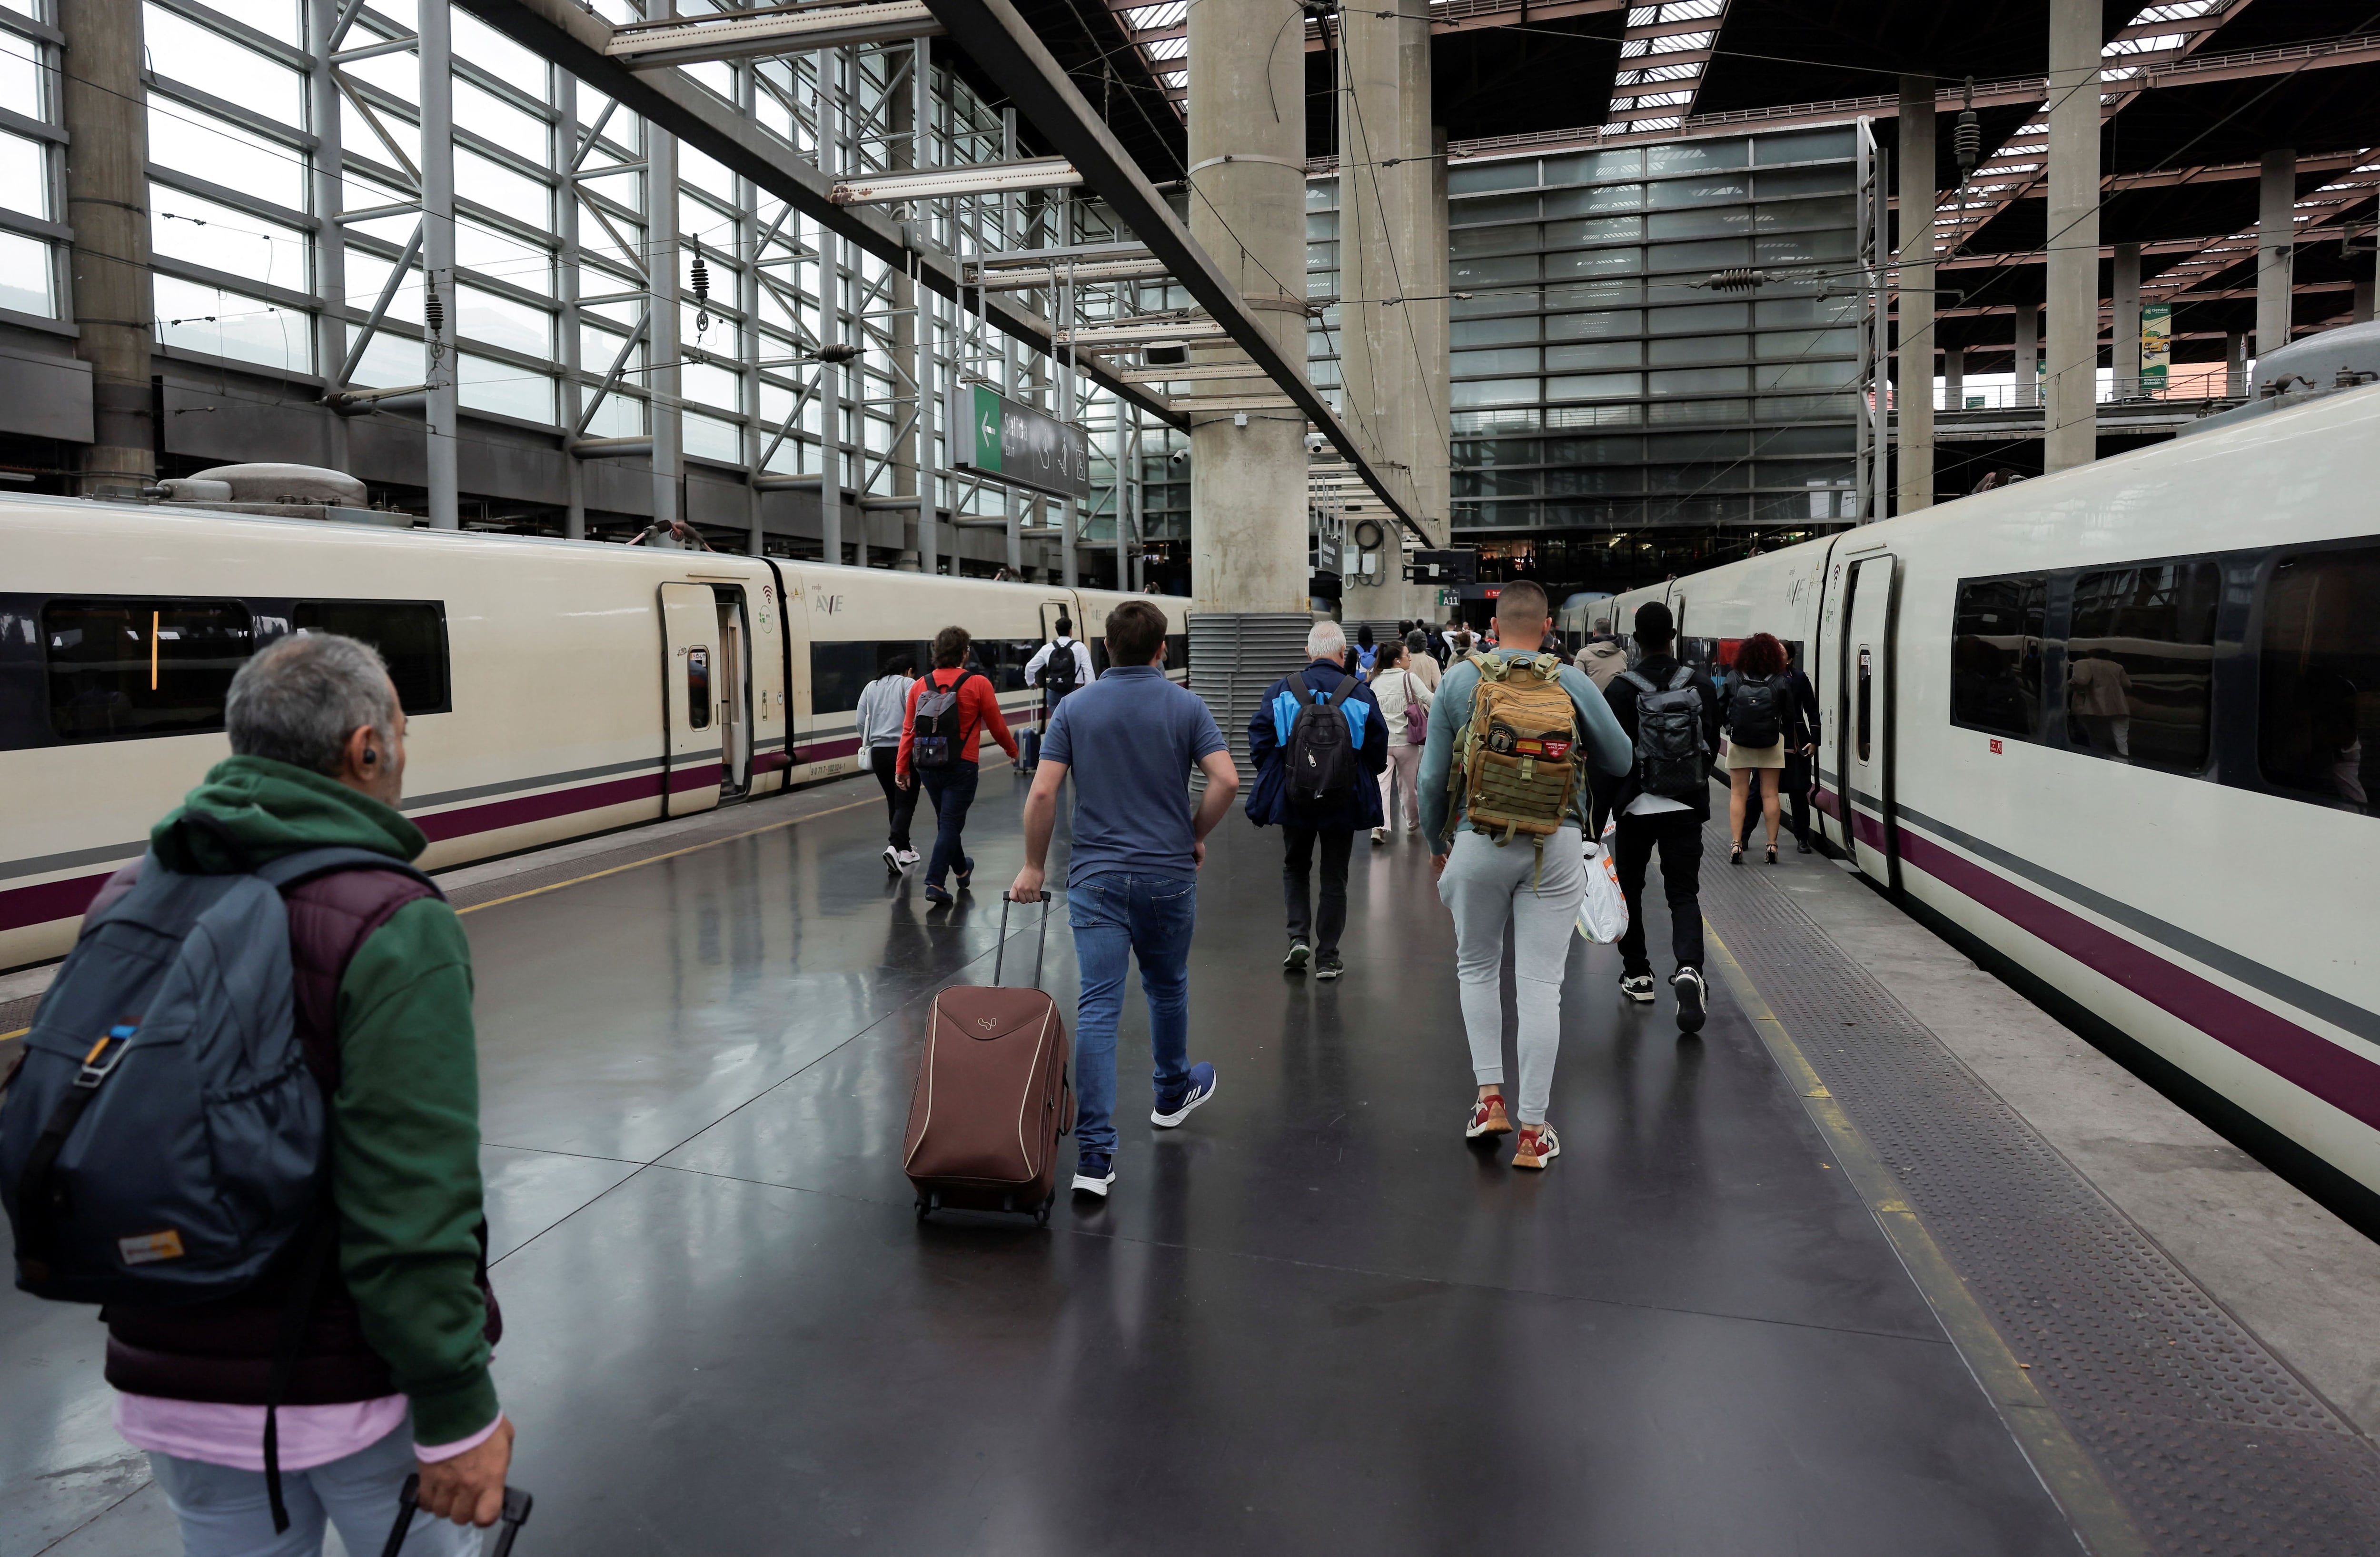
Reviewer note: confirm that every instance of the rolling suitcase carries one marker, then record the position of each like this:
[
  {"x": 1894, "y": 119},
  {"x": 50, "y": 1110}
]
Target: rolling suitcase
[
  {"x": 992, "y": 1096},
  {"x": 508, "y": 1524}
]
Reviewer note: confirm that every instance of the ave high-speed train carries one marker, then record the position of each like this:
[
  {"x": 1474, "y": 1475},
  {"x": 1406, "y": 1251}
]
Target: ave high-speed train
[
  {"x": 2117, "y": 731},
  {"x": 554, "y": 689}
]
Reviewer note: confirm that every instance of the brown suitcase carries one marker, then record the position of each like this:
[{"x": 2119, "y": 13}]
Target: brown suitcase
[{"x": 993, "y": 1096}]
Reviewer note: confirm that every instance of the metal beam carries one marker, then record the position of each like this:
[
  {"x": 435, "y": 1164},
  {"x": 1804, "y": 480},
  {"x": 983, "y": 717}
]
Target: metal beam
[
  {"x": 575, "y": 41},
  {"x": 797, "y": 29},
  {"x": 998, "y": 39},
  {"x": 979, "y": 179}
]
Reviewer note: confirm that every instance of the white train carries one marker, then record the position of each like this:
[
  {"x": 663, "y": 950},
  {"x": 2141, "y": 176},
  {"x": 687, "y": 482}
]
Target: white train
[
  {"x": 555, "y": 689},
  {"x": 2117, "y": 731}
]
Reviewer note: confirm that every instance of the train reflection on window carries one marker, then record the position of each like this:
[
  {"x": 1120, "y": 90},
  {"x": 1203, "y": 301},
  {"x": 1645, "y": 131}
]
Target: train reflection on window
[
  {"x": 840, "y": 671},
  {"x": 409, "y": 634},
  {"x": 1996, "y": 651},
  {"x": 2320, "y": 676},
  {"x": 119, "y": 668},
  {"x": 2139, "y": 663},
  {"x": 697, "y": 689}
]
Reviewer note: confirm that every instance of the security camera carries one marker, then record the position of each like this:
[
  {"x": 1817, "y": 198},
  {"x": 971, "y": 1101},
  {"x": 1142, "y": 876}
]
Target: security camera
[
  {"x": 1180, "y": 457},
  {"x": 1316, "y": 442}
]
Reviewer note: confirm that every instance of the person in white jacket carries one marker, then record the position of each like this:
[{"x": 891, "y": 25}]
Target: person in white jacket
[{"x": 1396, "y": 687}]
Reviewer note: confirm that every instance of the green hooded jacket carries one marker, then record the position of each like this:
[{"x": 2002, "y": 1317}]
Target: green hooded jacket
[{"x": 405, "y": 1124}]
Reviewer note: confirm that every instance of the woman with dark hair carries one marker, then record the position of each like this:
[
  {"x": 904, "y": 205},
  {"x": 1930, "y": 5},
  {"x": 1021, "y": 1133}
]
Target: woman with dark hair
[
  {"x": 1757, "y": 711},
  {"x": 949, "y": 709}
]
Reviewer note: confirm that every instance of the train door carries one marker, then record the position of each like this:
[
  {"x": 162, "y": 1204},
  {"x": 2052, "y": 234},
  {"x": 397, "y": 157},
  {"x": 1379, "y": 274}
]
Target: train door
[
  {"x": 690, "y": 733},
  {"x": 1866, "y": 739},
  {"x": 731, "y": 690}
]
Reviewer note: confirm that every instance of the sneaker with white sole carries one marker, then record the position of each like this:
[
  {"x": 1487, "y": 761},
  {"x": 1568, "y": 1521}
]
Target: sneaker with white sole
[
  {"x": 1171, "y": 1111},
  {"x": 910, "y": 858},
  {"x": 1539, "y": 1146},
  {"x": 1637, "y": 987},
  {"x": 892, "y": 860},
  {"x": 1379, "y": 835},
  {"x": 1328, "y": 966},
  {"x": 1693, "y": 998},
  {"x": 1094, "y": 1174},
  {"x": 1489, "y": 1118},
  {"x": 1300, "y": 954}
]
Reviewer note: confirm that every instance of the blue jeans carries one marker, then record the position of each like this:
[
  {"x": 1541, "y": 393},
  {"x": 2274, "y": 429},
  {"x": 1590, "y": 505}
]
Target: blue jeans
[
  {"x": 952, "y": 791},
  {"x": 223, "y": 1512},
  {"x": 1119, "y": 915}
]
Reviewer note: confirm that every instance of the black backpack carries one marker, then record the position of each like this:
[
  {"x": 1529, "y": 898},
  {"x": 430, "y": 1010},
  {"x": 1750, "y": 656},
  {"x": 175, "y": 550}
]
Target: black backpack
[
  {"x": 934, "y": 736},
  {"x": 1755, "y": 713},
  {"x": 1061, "y": 674},
  {"x": 1321, "y": 754},
  {"x": 1672, "y": 760}
]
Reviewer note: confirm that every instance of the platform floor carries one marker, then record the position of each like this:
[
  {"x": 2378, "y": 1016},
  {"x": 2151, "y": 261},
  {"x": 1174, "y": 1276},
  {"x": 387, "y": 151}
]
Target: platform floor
[{"x": 1311, "y": 1319}]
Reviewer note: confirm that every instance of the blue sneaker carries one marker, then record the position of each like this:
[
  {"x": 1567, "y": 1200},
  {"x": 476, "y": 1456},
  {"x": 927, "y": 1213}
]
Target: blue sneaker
[
  {"x": 1171, "y": 1110},
  {"x": 966, "y": 874},
  {"x": 938, "y": 898},
  {"x": 1094, "y": 1172}
]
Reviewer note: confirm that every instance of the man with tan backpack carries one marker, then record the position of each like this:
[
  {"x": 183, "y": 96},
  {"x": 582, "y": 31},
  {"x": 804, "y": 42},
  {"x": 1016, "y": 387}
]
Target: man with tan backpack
[{"x": 1504, "y": 806}]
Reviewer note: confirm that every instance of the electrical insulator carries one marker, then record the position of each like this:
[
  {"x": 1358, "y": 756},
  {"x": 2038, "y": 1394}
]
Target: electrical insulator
[
  {"x": 1736, "y": 278},
  {"x": 1967, "y": 137},
  {"x": 701, "y": 290},
  {"x": 434, "y": 309}
]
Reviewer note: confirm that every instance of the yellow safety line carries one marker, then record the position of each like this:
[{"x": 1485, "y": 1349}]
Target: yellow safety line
[
  {"x": 2102, "y": 1521},
  {"x": 655, "y": 859}
]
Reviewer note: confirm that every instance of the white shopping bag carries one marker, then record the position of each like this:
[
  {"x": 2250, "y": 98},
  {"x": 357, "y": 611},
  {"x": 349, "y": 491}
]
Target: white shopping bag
[{"x": 1603, "y": 912}]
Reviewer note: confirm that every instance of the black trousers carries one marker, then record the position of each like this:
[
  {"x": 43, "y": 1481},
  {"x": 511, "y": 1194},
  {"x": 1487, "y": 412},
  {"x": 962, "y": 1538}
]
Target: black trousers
[
  {"x": 1296, "y": 881},
  {"x": 1796, "y": 798},
  {"x": 901, "y": 803},
  {"x": 1679, "y": 836}
]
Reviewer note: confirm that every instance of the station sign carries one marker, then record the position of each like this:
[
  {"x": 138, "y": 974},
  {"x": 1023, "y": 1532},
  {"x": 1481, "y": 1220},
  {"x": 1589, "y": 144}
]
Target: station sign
[{"x": 1017, "y": 444}]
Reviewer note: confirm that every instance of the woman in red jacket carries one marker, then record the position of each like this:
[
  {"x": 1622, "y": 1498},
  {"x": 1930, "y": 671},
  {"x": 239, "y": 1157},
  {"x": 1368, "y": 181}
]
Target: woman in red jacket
[{"x": 964, "y": 706}]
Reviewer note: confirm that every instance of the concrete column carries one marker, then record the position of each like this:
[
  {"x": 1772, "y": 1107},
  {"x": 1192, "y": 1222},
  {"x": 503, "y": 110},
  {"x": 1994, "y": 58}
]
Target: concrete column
[
  {"x": 2028, "y": 355},
  {"x": 1915, "y": 403},
  {"x": 1954, "y": 377},
  {"x": 2275, "y": 246},
  {"x": 2124, "y": 354},
  {"x": 664, "y": 283},
  {"x": 442, "y": 370},
  {"x": 2235, "y": 364},
  {"x": 2361, "y": 305},
  {"x": 107, "y": 203},
  {"x": 2071, "y": 424}
]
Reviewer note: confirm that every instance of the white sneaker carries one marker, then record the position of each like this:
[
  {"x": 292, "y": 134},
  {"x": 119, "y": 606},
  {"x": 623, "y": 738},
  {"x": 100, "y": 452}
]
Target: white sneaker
[
  {"x": 892, "y": 859},
  {"x": 1694, "y": 999},
  {"x": 909, "y": 857},
  {"x": 1638, "y": 987},
  {"x": 1379, "y": 835}
]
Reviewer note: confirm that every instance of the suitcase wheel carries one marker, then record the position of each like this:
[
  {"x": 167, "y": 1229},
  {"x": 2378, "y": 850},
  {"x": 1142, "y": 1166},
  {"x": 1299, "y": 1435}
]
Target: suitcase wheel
[
  {"x": 925, "y": 1206},
  {"x": 1042, "y": 1215}
]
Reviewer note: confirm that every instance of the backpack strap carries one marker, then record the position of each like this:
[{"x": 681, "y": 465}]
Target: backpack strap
[
  {"x": 1296, "y": 681},
  {"x": 1637, "y": 681},
  {"x": 1680, "y": 678},
  {"x": 296, "y": 869}
]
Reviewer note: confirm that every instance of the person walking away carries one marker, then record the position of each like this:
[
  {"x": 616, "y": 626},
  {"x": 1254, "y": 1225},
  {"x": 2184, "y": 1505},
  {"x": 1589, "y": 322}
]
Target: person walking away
[
  {"x": 1417, "y": 660},
  {"x": 1317, "y": 745},
  {"x": 948, "y": 711},
  {"x": 1602, "y": 656},
  {"x": 1059, "y": 667},
  {"x": 1405, "y": 714},
  {"x": 883, "y": 713},
  {"x": 1670, "y": 711},
  {"x": 387, "y": 1376},
  {"x": 1758, "y": 712},
  {"x": 1368, "y": 653},
  {"x": 2100, "y": 690},
  {"x": 1129, "y": 740},
  {"x": 1504, "y": 806},
  {"x": 1801, "y": 748}
]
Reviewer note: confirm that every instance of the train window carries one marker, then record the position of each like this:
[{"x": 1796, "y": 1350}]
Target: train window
[
  {"x": 840, "y": 671},
  {"x": 1995, "y": 638},
  {"x": 409, "y": 634},
  {"x": 1867, "y": 700},
  {"x": 1098, "y": 646},
  {"x": 2318, "y": 717},
  {"x": 2140, "y": 660},
  {"x": 697, "y": 689},
  {"x": 141, "y": 667},
  {"x": 1177, "y": 650}
]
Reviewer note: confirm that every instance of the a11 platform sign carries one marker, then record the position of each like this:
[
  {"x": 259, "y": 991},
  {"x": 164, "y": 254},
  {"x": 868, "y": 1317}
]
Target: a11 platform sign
[{"x": 1015, "y": 442}]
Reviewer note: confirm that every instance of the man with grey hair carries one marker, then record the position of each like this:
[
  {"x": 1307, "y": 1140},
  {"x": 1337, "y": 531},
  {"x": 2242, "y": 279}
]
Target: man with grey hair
[
  {"x": 1323, "y": 723},
  {"x": 391, "y": 1377}
]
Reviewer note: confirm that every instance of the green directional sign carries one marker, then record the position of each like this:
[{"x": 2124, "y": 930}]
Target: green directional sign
[{"x": 1019, "y": 444}]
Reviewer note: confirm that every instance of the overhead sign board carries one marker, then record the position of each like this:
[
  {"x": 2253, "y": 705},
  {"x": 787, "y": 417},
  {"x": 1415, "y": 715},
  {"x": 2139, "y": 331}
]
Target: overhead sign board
[
  {"x": 2156, "y": 346},
  {"x": 1017, "y": 443}
]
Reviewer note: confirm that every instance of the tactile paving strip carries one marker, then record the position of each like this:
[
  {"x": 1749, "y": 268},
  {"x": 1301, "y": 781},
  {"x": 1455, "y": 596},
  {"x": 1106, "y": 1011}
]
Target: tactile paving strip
[{"x": 2210, "y": 1440}]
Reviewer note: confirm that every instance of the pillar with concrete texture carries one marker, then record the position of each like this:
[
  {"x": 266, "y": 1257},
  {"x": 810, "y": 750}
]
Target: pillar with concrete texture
[
  {"x": 1914, "y": 406},
  {"x": 2071, "y": 379},
  {"x": 2025, "y": 371},
  {"x": 2276, "y": 248},
  {"x": 442, "y": 366},
  {"x": 2235, "y": 364},
  {"x": 104, "y": 105},
  {"x": 1249, "y": 600},
  {"x": 1392, "y": 309},
  {"x": 1954, "y": 378},
  {"x": 2124, "y": 293}
]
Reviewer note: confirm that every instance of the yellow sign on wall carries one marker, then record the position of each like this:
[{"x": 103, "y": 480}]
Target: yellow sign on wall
[{"x": 2156, "y": 346}]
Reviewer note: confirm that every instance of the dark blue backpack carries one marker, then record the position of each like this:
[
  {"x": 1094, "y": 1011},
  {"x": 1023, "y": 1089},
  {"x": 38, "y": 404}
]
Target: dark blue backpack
[{"x": 163, "y": 1141}]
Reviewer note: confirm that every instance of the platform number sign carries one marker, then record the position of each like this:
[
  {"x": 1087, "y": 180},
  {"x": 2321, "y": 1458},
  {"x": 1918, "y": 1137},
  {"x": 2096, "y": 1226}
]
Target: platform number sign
[{"x": 1017, "y": 444}]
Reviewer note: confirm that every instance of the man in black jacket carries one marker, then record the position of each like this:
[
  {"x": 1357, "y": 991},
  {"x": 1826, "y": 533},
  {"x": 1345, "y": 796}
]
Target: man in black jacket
[
  {"x": 1672, "y": 822},
  {"x": 1801, "y": 745}
]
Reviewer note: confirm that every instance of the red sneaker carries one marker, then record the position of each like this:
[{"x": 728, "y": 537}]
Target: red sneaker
[
  {"x": 1539, "y": 1146},
  {"x": 1488, "y": 1118}
]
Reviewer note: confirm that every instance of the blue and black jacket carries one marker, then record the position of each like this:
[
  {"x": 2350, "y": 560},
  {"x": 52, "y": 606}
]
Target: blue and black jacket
[{"x": 1269, "y": 803}]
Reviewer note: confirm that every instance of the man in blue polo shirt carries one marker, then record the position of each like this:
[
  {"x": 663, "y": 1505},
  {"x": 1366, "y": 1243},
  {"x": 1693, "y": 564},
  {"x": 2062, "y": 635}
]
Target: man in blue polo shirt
[{"x": 1130, "y": 739}]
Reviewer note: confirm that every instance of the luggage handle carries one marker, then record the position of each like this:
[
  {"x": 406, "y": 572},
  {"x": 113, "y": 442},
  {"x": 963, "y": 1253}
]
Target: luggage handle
[
  {"x": 1040, "y": 939},
  {"x": 515, "y": 1514}
]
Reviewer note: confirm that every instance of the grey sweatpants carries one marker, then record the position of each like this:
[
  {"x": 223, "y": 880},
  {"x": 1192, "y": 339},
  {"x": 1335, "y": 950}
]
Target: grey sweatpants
[{"x": 1487, "y": 888}]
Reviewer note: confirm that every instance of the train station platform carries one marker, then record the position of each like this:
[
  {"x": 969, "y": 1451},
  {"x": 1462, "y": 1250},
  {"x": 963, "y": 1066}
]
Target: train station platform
[{"x": 1883, "y": 1262}]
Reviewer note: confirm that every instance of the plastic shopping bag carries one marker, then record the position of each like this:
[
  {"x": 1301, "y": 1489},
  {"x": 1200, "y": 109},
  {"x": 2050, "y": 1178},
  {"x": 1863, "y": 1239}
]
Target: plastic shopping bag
[{"x": 1603, "y": 912}]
